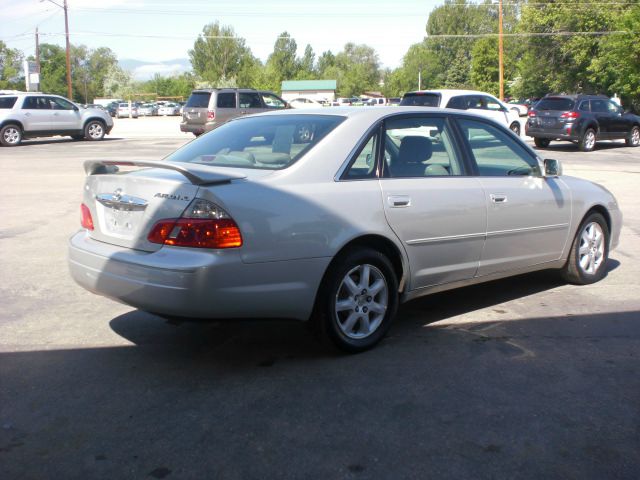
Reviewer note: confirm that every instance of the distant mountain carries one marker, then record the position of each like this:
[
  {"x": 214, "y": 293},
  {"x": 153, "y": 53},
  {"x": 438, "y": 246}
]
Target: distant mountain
[{"x": 142, "y": 70}]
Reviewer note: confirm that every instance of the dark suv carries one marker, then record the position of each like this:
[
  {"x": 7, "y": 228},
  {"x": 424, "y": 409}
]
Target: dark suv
[
  {"x": 582, "y": 119},
  {"x": 209, "y": 108}
]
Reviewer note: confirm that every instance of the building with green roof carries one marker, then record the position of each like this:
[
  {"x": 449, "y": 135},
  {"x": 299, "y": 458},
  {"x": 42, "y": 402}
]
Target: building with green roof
[{"x": 314, "y": 89}]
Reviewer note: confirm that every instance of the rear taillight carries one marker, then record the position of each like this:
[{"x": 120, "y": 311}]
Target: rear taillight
[
  {"x": 211, "y": 114},
  {"x": 203, "y": 225},
  {"x": 86, "y": 220},
  {"x": 570, "y": 115},
  {"x": 532, "y": 113}
]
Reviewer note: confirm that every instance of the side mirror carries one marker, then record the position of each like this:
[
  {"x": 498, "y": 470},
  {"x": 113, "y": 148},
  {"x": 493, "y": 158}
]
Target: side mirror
[{"x": 552, "y": 168}]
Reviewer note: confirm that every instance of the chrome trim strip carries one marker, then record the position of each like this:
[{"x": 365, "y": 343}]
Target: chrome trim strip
[
  {"x": 527, "y": 229},
  {"x": 468, "y": 236},
  {"x": 451, "y": 238}
]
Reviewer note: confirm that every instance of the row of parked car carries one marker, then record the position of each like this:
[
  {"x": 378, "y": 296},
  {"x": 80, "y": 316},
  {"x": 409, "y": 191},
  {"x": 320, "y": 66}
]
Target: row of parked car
[
  {"x": 581, "y": 119},
  {"x": 139, "y": 109}
]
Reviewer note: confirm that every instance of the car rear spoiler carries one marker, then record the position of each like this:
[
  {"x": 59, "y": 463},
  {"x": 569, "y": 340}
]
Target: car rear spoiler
[{"x": 196, "y": 174}]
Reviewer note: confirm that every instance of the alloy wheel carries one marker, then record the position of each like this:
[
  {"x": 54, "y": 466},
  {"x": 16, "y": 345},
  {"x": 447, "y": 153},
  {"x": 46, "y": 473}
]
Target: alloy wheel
[
  {"x": 11, "y": 136},
  {"x": 361, "y": 302},
  {"x": 592, "y": 248}
]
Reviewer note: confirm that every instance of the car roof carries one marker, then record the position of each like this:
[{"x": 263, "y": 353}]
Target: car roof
[
  {"x": 369, "y": 114},
  {"x": 451, "y": 92}
]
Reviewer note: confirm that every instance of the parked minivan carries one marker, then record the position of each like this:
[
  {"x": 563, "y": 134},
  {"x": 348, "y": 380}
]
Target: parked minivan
[{"x": 209, "y": 108}]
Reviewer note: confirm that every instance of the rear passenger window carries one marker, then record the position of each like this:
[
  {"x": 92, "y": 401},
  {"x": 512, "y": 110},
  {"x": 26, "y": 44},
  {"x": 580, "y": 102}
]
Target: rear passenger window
[
  {"x": 36, "y": 103},
  {"x": 457, "y": 103},
  {"x": 495, "y": 152},
  {"x": 419, "y": 147},
  {"x": 249, "y": 100},
  {"x": 584, "y": 106},
  {"x": 226, "y": 100},
  {"x": 7, "y": 102}
]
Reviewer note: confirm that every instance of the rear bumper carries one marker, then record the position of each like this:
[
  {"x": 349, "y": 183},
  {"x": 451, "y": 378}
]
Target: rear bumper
[
  {"x": 196, "y": 283},
  {"x": 198, "y": 128},
  {"x": 568, "y": 132}
]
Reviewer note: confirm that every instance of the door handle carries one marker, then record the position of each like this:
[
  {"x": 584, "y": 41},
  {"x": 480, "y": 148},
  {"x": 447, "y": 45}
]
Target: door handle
[
  {"x": 498, "y": 198},
  {"x": 399, "y": 201}
]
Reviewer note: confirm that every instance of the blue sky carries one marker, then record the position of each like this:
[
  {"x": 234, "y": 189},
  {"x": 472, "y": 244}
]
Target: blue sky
[{"x": 160, "y": 30}]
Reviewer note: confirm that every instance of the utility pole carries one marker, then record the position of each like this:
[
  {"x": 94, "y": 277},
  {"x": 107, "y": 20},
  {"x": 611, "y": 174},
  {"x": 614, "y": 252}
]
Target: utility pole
[
  {"x": 66, "y": 31},
  {"x": 37, "y": 50},
  {"x": 500, "y": 52}
]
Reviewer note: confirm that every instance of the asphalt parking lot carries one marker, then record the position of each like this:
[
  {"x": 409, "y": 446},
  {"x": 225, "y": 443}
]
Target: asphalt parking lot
[{"x": 523, "y": 378}]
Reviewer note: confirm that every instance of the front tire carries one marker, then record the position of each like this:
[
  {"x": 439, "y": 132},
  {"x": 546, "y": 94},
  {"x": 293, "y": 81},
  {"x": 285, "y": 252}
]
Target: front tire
[
  {"x": 94, "y": 130},
  {"x": 358, "y": 300},
  {"x": 541, "y": 142},
  {"x": 10, "y": 135},
  {"x": 633, "y": 140},
  {"x": 515, "y": 128},
  {"x": 587, "y": 260},
  {"x": 588, "y": 141}
]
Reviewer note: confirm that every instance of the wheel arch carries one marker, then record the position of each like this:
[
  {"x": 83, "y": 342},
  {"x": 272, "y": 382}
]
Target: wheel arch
[
  {"x": 12, "y": 122},
  {"x": 101, "y": 120},
  {"x": 376, "y": 242},
  {"x": 602, "y": 211}
]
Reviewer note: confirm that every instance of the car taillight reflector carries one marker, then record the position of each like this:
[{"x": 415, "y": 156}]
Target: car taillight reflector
[
  {"x": 532, "y": 113},
  {"x": 86, "y": 220},
  {"x": 571, "y": 115},
  {"x": 197, "y": 232},
  {"x": 211, "y": 115}
]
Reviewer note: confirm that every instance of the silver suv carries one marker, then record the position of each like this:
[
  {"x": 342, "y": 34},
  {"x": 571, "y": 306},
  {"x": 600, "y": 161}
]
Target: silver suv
[
  {"x": 25, "y": 115},
  {"x": 209, "y": 108}
]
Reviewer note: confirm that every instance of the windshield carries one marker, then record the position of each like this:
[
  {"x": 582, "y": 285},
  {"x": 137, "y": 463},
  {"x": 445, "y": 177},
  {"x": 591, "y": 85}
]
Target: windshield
[
  {"x": 555, "y": 104},
  {"x": 420, "y": 99},
  {"x": 264, "y": 143}
]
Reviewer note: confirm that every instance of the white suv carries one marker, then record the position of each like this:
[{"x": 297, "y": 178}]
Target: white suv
[
  {"x": 25, "y": 115},
  {"x": 477, "y": 102}
]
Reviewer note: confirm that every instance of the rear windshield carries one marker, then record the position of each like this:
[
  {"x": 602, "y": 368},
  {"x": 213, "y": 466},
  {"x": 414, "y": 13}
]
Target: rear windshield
[
  {"x": 199, "y": 100},
  {"x": 7, "y": 102},
  {"x": 264, "y": 143},
  {"x": 421, "y": 99},
  {"x": 555, "y": 104}
]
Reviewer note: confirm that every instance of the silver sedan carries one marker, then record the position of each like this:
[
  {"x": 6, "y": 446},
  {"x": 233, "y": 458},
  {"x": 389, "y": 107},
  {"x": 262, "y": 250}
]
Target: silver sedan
[{"x": 335, "y": 216}]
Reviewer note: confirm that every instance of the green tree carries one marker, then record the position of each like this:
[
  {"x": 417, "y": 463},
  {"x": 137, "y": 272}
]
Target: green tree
[
  {"x": 357, "y": 70},
  {"x": 307, "y": 68},
  {"x": 282, "y": 64},
  {"x": 617, "y": 67},
  {"x": 11, "y": 77},
  {"x": 119, "y": 83},
  {"x": 53, "y": 69},
  {"x": 419, "y": 60},
  {"x": 326, "y": 60},
  {"x": 219, "y": 56}
]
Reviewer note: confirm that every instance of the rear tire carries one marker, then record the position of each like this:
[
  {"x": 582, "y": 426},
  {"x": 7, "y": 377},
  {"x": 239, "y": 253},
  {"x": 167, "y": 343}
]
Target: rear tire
[
  {"x": 541, "y": 142},
  {"x": 587, "y": 262},
  {"x": 588, "y": 141},
  {"x": 633, "y": 140},
  {"x": 358, "y": 300},
  {"x": 515, "y": 128},
  {"x": 10, "y": 135},
  {"x": 94, "y": 130}
]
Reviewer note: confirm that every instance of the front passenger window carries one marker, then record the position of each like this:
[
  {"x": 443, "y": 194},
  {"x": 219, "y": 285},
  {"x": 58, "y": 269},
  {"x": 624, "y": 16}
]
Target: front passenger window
[{"x": 495, "y": 152}]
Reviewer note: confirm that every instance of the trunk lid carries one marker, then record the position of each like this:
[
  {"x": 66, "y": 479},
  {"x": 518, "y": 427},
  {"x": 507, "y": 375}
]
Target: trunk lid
[{"x": 126, "y": 205}]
